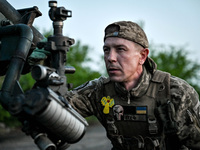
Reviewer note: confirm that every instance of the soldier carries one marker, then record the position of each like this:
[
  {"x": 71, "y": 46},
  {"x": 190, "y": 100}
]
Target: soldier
[{"x": 139, "y": 106}]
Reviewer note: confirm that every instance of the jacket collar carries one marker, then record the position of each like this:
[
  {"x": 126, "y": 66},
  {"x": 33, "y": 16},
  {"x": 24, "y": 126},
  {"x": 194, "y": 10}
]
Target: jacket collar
[{"x": 140, "y": 89}]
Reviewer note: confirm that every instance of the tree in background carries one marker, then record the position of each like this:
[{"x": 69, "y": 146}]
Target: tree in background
[{"x": 78, "y": 58}]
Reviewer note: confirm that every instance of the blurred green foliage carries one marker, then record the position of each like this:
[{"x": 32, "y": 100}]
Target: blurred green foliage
[{"x": 78, "y": 57}]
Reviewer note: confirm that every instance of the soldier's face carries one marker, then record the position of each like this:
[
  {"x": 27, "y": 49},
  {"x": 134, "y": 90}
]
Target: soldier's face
[{"x": 123, "y": 59}]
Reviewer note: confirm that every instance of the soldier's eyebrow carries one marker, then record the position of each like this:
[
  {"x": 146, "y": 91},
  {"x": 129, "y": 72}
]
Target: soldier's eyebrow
[
  {"x": 121, "y": 45},
  {"x": 105, "y": 46},
  {"x": 114, "y": 45}
]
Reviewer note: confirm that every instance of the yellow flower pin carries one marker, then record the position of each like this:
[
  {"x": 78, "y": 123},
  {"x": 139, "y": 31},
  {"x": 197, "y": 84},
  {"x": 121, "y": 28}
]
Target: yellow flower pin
[{"x": 108, "y": 103}]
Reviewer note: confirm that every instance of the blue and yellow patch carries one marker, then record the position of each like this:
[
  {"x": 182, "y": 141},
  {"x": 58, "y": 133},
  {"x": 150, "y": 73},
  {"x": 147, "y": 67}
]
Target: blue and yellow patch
[{"x": 141, "y": 110}]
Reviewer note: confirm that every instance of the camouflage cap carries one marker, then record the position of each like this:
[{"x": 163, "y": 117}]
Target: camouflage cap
[{"x": 127, "y": 30}]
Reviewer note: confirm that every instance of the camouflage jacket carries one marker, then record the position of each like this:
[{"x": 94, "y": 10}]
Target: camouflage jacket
[{"x": 186, "y": 109}]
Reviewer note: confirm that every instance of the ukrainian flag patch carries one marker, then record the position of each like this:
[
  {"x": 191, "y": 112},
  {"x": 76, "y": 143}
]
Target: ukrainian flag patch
[{"x": 141, "y": 110}]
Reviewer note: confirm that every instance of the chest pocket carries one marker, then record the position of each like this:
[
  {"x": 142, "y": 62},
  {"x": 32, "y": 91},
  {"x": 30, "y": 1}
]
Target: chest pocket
[
  {"x": 131, "y": 120},
  {"x": 136, "y": 118}
]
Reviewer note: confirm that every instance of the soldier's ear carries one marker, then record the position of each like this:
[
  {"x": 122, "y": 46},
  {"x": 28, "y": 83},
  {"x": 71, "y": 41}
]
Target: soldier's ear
[{"x": 144, "y": 54}]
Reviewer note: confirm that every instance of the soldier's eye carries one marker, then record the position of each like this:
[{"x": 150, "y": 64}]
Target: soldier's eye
[{"x": 106, "y": 50}]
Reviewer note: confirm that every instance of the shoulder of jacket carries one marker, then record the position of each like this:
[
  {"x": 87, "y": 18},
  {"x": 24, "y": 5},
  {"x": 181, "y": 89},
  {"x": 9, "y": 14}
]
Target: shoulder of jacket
[
  {"x": 182, "y": 87},
  {"x": 159, "y": 76},
  {"x": 92, "y": 83}
]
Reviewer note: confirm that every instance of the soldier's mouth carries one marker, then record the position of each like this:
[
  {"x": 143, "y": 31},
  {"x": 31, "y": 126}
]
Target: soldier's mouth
[{"x": 113, "y": 70}]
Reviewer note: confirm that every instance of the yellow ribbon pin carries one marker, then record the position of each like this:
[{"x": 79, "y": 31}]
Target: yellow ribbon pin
[{"x": 108, "y": 103}]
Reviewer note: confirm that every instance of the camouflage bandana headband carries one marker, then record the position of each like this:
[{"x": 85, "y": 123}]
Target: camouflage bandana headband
[{"x": 127, "y": 30}]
